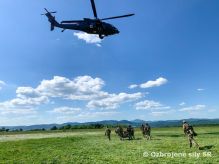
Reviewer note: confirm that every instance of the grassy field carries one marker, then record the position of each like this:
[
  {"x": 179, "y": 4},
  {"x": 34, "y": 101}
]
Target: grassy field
[{"x": 91, "y": 146}]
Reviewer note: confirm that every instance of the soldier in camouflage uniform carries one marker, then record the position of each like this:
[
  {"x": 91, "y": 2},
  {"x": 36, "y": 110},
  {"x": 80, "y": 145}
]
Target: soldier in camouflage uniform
[
  {"x": 189, "y": 131},
  {"x": 147, "y": 129},
  {"x": 130, "y": 131},
  {"x": 119, "y": 131},
  {"x": 108, "y": 133},
  {"x": 142, "y": 129}
]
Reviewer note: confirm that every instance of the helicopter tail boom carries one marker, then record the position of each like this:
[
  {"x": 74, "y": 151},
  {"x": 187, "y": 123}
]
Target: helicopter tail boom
[{"x": 53, "y": 22}]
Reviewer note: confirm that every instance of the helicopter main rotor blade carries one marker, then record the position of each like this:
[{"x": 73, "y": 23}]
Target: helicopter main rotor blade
[
  {"x": 122, "y": 16},
  {"x": 94, "y": 8},
  {"x": 46, "y": 10}
]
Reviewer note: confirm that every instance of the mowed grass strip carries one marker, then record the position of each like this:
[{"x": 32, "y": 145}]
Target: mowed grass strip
[
  {"x": 38, "y": 135},
  {"x": 91, "y": 146}
]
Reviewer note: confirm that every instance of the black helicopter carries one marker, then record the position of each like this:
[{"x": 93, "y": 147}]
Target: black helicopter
[{"x": 90, "y": 26}]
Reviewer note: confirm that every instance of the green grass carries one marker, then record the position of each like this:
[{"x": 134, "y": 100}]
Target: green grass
[{"x": 91, "y": 146}]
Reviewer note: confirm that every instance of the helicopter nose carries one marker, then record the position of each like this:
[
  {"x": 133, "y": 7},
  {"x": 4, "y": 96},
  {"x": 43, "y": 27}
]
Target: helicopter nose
[{"x": 116, "y": 31}]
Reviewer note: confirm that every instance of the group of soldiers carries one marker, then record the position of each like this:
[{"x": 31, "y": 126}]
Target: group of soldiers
[
  {"x": 129, "y": 132},
  {"x": 146, "y": 132}
]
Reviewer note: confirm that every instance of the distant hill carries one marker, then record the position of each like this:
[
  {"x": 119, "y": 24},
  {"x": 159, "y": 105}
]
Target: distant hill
[{"x": 135, "y": 123}]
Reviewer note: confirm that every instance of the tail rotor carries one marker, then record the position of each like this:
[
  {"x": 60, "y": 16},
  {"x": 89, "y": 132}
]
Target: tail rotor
[
  {"x": 49, "y": 12},
  {"x": 51, "y": 19}
]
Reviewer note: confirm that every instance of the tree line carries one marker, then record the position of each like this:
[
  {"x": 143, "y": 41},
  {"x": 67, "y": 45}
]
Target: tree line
[
  {"x": 86, "y": 126},
  {"x": 64, "y": 127}
]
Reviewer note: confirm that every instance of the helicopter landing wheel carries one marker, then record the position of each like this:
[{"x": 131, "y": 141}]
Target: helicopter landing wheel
[{"x": 101, "y": 36}]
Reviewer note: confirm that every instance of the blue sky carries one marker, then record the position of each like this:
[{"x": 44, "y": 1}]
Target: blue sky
[{"x": 167, "y": 52}]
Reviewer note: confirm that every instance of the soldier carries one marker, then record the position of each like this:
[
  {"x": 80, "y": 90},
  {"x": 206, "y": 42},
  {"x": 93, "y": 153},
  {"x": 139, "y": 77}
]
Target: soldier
[
  {"x": 119, "y": 132},
  {"x": 133, "y": 132},
  {"x": 107, "y": 133},
  {"x": 130, "y": 131},
  {"x": 147, "y": 130},
  {"x": 142, "y": 129},
  {"x": 189, "y": 131}
]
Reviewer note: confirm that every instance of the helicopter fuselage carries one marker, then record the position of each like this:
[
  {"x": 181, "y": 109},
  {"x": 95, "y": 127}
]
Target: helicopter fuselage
[{"x": 89, "y": 26}]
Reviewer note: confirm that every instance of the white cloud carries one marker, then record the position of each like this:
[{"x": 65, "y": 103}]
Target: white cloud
[
  {"x": 133, "y": 86},
  {"x": 2, "y": 83},
  {"x": 22, "y": 112},
  {"x": 15, "y": 111},
  {"x": 29, "y": 102},
  {"x": 98, "y": 45},
  {"x": 113, "y": 101},
  {"x": 66, "y": 110},
  {"x": 149, "y": 84},
  {"x": 158, "y": 82},
  {"x": 28, "y": 96},
  {"x": 200, "y": 89},
  {"x": 8, "y": 108},
  {"x": 193, "y": 108},
  {"x": 150, "y": 104},
  {"x": 27, "y": 92},
  {"x": 25, "y": 102},
  {"x": 80, "y": 88},
  {"x": 182, "y": 104},
  {"x": 89, "y": 38}
]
